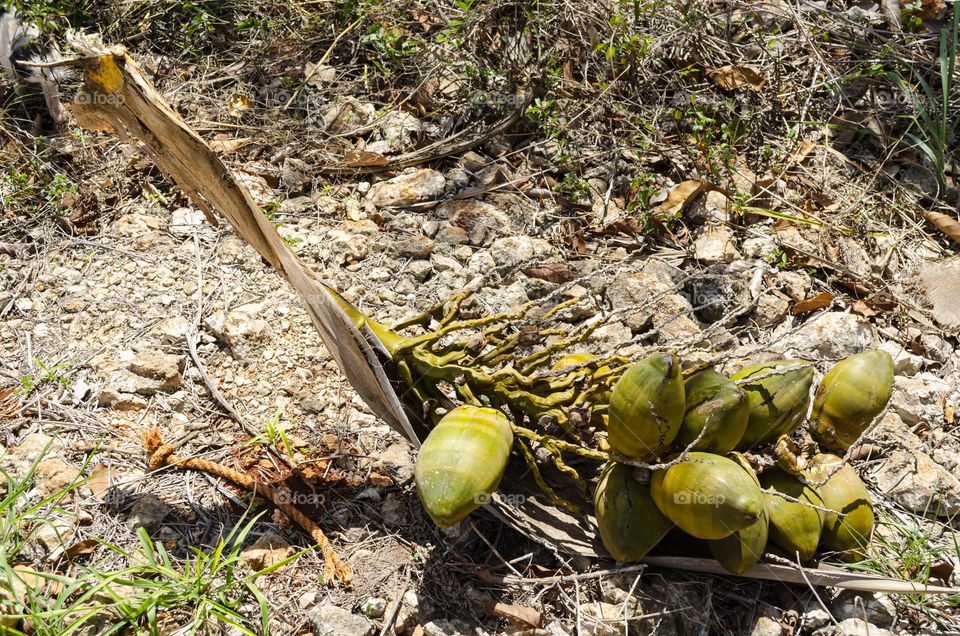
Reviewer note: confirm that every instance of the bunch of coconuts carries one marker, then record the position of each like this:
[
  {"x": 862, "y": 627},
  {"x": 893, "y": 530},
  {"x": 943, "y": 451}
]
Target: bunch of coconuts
[
  {"x": 692, "y": 434},
  {"x": 699, "y": 429}
]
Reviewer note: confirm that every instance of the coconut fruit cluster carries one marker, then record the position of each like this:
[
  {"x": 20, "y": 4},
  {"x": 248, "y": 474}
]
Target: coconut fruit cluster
[
  {"x": 681, "y": 455},
  {"x": 695, "y": 433}
]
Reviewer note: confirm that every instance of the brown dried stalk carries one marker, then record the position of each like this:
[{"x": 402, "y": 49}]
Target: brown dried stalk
[{"x": 160, "y": 454}]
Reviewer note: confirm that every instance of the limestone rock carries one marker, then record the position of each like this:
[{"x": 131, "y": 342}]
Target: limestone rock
[
  {"x": 142, "y": 373},
  {"x": 410, "y": 187},
  {"x": 916, "y": 482},
  {"x": 656, "y": 305},
  {"x": 52, "y": 475},
  {"x": 832, "y": 335},
  {"x": 920, "y": 398},
  {"x": 481, "y": 221},
  {"x": 270, "y": 548},
  {"x": 716, "y": 245},
  {"x": 517, "y": 249},
  {"x": 853, "y": 627},
  {"x": 397, "y": 461},
  {"x": 149, "y": 512},
  {"x": 417, "y": 246},
  {"x": 330, "y": 620}
]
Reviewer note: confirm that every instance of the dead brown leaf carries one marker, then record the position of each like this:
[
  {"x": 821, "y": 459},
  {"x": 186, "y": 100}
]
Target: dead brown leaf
[
  {"x": 231, "y": 144},
  {"x": 550, "y": 272},
  {"x": 378, "y": 480},
  {"x": 101, "y": 479},
  {"x": 942, "y": 570},
  {"x": 812, "y": 304},
  {"x": 945, "y": 223},
  {"x": 9, "y": 403},
  {"x": 682, "y": 195},
  {"x": 82, "y": 548},
  {"x": 942, "y": 282},
  {"x": 517, "y": 614},
  {"x": 883, "y": 301},
  {"x": 238, "y": 104},
  {"x": 800, "y": 152},
  {"x": 361, "y": 158},
  {"x": 731, "y": 77},
  {"x": 862, "y": 308}
]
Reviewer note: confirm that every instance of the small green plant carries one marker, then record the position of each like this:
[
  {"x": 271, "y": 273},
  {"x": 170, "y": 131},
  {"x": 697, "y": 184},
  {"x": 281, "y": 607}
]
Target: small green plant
[
  {"x": 57, "y": 188},
  {"x": 208, "y": 587},
  {"x": 13, "y": 183},
  {"x": 29, "y": 383},
  {"x": 275, "y": 433},
  {"x": 450, "y": 34},
  {"x": 572, "y": 187},
  {"x": 932, "y": 129},
  {"x": 643, "y": 188}
]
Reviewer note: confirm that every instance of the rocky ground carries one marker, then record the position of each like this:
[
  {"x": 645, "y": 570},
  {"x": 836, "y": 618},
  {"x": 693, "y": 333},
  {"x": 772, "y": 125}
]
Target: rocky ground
[{"x": 97, "y": 311}]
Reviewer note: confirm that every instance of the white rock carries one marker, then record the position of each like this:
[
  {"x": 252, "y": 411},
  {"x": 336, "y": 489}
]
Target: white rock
[
  {"x": 186, "y": 221},
  {"x": 407, "y": 188},
  {"x": 916, "y": 482},
  {"x": 815, "y": 619},
  {"x": 173, "y": 329},
  {"x": 653, "y": 303},
  {"x": 716, "y": 245},
  {"x": 920, "y": 398},
  {"x": 481, "y": 220},
  {"x": 771, "y": 309},
  {"x": 374, "y": 607},
  {"x": 832, "y": 335},
  {"x": 904, "y": 362},
  {"x": 443, "y": 263},
  {"x": 853, "y": 627},
  {"x": 878, "y": 609},
  {"x": 330, "y": 620},
  {"x": 766, "y": 626},
  {"x": 517, "y": 249},
  {"x": 605, "y": 619}
]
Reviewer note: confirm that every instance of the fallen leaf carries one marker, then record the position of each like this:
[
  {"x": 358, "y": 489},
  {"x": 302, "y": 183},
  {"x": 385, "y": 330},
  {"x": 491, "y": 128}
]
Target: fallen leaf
[
  {"x": 883, "y": 301},
  {"x": 812, "y": 304},
  {"x": 517, "y": 614},
  {"x": 730, "y": 77},
  {"x": 101, "y": 480},
  {"x": 682, "y": 195},
  {"x": 800, "y": 152},
  {"x": 942, "y": 570},
  {"x": 945, "y": 223},
  {"x": 550, "y": 272},
  {"x": 317, "y": 75},
  {"x": 380, "y": 481},
  {"x": 628, "y": 226},
  {"x": 942, "y": 282},
  {"x": 9, "y": 402},
  {"x": 862, "y": 308},
  {"x": 361, "y": 158},
  {"x": 82, "y": 548},
  {"x": 226, "y": 146},
  {"x": 237, "y": 104}
]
